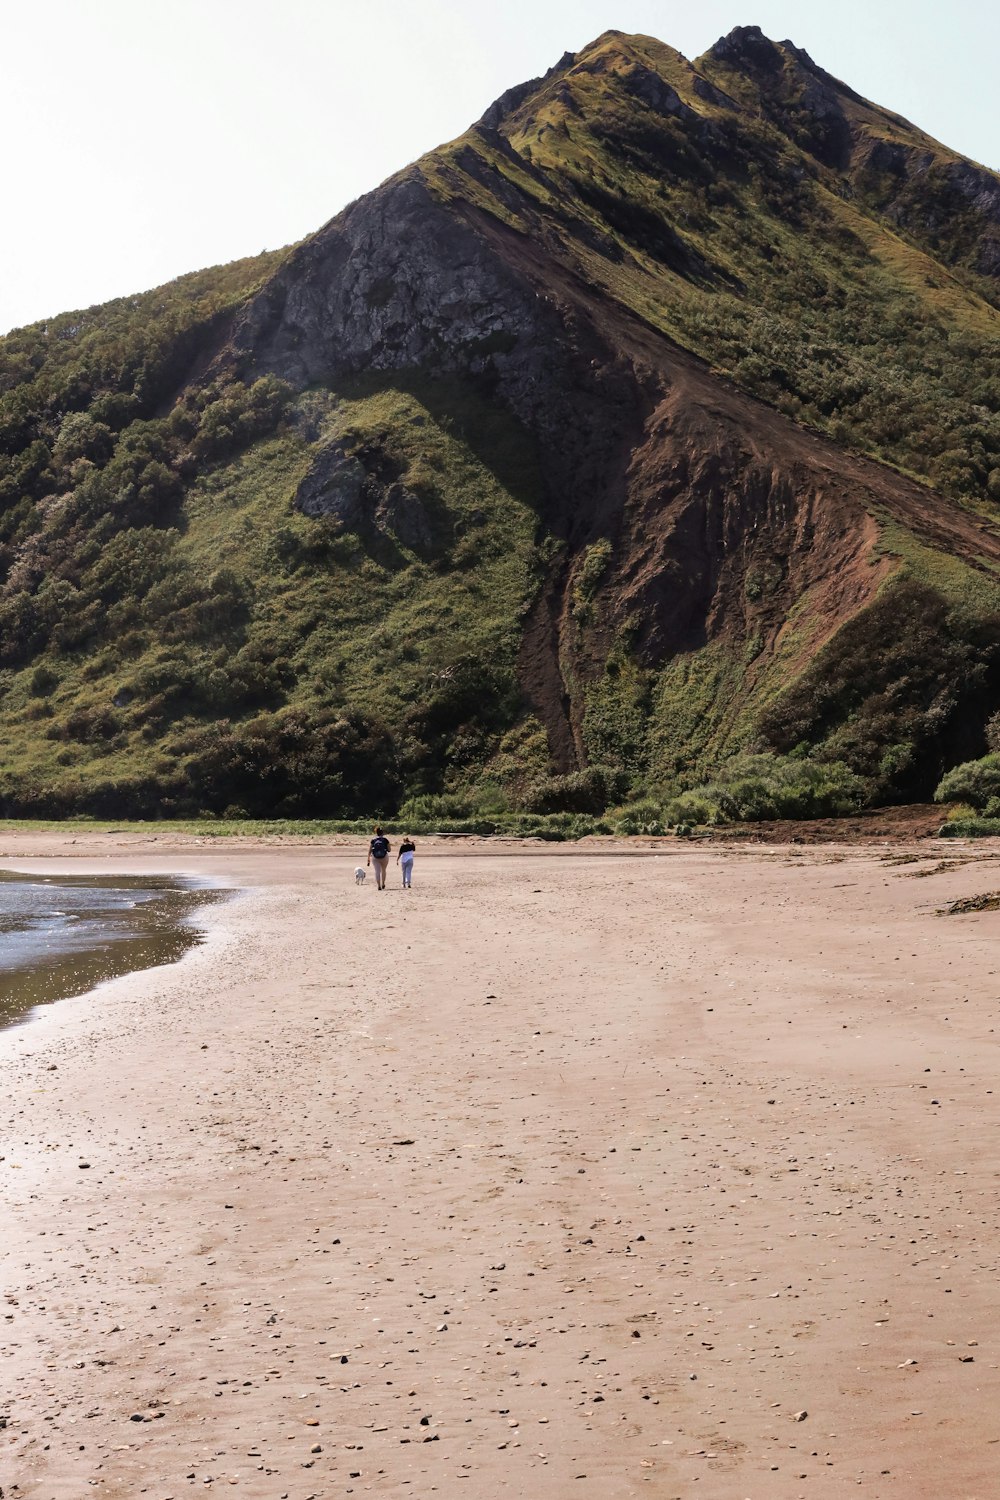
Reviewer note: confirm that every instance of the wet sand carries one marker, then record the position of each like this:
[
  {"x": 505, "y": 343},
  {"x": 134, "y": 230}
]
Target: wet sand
[
  {"x": 64, "y": 935},
  {"x": 570, "y": 1173}
]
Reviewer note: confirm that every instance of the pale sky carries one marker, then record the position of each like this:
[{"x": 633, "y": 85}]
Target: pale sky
[{"x": 149, "y": 139}]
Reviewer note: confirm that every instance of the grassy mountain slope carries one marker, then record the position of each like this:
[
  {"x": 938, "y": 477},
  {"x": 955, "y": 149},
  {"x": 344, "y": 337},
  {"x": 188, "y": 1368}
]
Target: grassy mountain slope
[
  {"x": 809, "y": 284},
  {"x": 655, "y": 421}
]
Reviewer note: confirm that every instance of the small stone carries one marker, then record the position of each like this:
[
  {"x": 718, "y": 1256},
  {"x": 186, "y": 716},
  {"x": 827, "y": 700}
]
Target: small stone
[
  {"x": 800, "y": 1416},
  {"x": 83, "y": 1166},
  {"x": 316, "y": 1448}
]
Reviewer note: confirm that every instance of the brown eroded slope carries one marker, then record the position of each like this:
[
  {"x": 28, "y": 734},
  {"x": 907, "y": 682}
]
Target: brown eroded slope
[{"x": 700, "y": 489}]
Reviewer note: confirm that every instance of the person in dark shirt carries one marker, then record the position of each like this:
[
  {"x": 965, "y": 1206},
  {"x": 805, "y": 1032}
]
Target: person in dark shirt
[
  {"x": 407, "y": 849},
  {"x": 378, "y": 854}
]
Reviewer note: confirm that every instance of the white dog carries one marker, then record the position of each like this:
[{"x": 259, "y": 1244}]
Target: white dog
[{"x": 359, "y": 875}]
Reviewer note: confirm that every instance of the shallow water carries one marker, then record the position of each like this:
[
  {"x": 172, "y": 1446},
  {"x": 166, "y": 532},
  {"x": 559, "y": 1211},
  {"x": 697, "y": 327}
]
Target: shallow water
[{"x": 62, "y": 935}]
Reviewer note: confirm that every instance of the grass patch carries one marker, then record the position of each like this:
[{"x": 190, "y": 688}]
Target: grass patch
[{"x": 970, "y": 828}]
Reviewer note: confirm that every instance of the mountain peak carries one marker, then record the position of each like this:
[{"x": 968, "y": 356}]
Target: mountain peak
[
  {"x": 748, "y": 51},
  {"x": 747, "y": 48}
]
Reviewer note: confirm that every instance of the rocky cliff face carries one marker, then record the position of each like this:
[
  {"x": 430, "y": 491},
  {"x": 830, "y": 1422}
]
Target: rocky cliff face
[
  {"x": 396, "y": 282},
  {"x": 404, "y": 283}
]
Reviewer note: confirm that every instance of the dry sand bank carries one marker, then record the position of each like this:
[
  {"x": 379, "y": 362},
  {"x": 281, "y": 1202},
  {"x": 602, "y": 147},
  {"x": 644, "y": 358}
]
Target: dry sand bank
[{"x": 563, "y": 1175}]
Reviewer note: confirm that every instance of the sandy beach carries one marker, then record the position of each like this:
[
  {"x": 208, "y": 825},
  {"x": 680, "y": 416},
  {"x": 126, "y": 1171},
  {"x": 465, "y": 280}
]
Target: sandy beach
[{"x": 668, "y": 1171}]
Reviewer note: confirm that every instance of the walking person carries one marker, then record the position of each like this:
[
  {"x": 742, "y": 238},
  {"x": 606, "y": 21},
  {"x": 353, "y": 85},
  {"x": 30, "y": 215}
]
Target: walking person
[
  {"x": 378, "y": 854},
  {"x": 407, "y": 849}
]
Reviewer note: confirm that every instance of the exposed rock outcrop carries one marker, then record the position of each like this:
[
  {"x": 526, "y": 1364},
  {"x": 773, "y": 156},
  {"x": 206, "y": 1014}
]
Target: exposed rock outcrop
[
  {"x": 338, "y": 487},
  {"x": 333, "y": 487}
]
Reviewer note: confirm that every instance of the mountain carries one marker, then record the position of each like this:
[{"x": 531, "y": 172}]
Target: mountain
[{"x": 646, "y": 436}]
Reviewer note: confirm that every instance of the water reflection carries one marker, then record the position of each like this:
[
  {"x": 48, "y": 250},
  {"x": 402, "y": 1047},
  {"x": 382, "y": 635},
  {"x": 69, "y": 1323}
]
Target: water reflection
[{"x": 62, "y": 935}]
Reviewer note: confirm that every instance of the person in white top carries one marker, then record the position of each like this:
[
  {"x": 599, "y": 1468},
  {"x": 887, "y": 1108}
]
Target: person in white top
[{"x": 407, "y": 849}]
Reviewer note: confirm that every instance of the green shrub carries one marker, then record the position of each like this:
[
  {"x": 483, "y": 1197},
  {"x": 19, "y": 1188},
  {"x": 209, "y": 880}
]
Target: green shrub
[
  {"x": 692, "y": 808},
  {"x": 975, "y": 782},
  {"x": 640, "y": 818},
  {"x": 429, "y": 809},
  {"x": 970, "y": 828},
  {"x": 588, "y": 578},
  {"x": 42, "y": 681},
  {"x": 588, "y": 791},
  {"x": 295, "y": 764},
  {"x": 80, "y": 436},
  {"x": 757, "y": 788}
]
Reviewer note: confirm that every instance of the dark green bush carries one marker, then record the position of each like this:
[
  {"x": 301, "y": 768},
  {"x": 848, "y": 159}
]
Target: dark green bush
[
  {"x": 754, "y": 788},
  {"x": 589, "y": 791},
  {"x": 970, "y": 828},
  {"x": 975, "y": 782},
  {"x": 295, "y": 764},
  {"x": 644, "y": 817}
]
